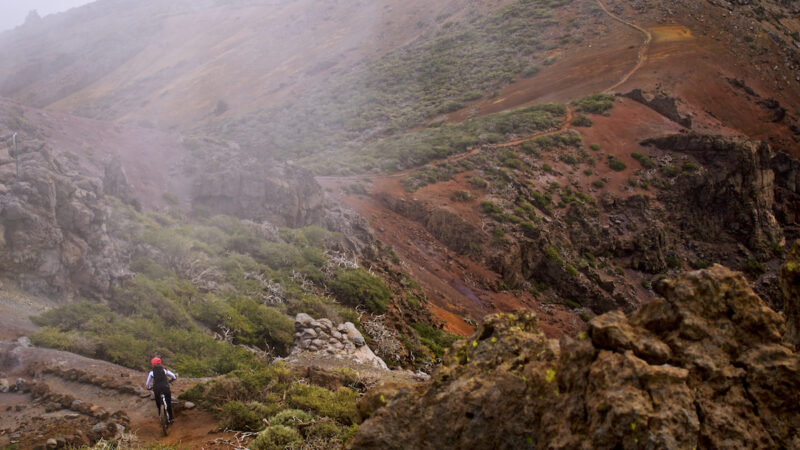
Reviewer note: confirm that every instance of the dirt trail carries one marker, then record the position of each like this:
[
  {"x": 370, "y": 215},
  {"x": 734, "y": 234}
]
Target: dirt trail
[
  {"x": 642, "y": 57},
  {"x": 70, "y": 395}
]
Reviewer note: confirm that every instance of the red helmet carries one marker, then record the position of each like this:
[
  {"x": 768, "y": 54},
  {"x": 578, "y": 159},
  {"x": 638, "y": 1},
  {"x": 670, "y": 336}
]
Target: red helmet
[{"x": 155, "y": 361}]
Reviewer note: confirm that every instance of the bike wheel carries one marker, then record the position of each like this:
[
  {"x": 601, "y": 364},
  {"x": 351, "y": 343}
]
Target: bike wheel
[{"x": 162, "y": 414}]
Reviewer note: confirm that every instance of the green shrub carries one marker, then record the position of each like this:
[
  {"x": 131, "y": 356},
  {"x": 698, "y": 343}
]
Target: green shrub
[
  {"x": 690, "y": 167},
  {"x": 670, "y": 171},
  {"x": 434, "y": 338},
  {"x": 478, "y": 183},
  {"x": 290, "y": 417},
  {"x": 339, "y": 405},
  {"x": 276, "y": 437},
  {"x": 551, "y": 253},
  {"x": 596, "y": 103},
  {"x": 236, "y": 416},
  {"x": 324, "y": 430},
  {"x": 358, "y": 287},
  {"x": 598, "y": 183},
  {"x": 491, "y": 208},
  {"x": 572, "y": 270},
  {"x": 754, "y": 268},
  {"x": 461, "y": 196},
  {"x": 582, "y": 120},
  {"x": 572, "y": 304},
  {"x": 644, "y": 160},
  {"x": 616, "y": 165},
  {"x": 673, "y": 262},
  {"x": 594, "y": 146}
]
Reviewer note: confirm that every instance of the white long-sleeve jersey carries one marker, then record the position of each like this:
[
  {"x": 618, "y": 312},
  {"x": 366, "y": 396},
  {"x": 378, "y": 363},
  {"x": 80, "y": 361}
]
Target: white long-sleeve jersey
[{"x": 150, "y": 377}]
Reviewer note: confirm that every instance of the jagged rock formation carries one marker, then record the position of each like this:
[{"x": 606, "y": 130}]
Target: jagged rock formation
[
  {"x": 451, "y": 230},
  {"x": 662, "y": 104},
  {"x": 53, "y": 222},
  {"x": 735, "y": 195},
  {"x": 706, "y": 366},
  {"x": 790, "y": 285},
  {"x": 343, "y": 341},
  {"x": 277, "y": 193},
  {"x": 787, "y": 189}
]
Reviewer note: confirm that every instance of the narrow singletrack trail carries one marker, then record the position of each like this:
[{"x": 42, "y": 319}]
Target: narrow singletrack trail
[
  {"x": 642, "y": 57},
  {"x": 565, "y": 125}
]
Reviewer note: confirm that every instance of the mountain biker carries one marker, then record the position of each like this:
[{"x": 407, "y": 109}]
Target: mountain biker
[{"x": 160, "y": 378}]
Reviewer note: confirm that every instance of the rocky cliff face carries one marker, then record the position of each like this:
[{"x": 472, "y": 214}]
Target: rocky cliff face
[
  {"x": 53, "y": 222},
  {"x": 790, "y": 285},
  {"x": 734, "y": 196},
  {"x": 706, "y": 366},
  {"x": 280, "y": 194}
]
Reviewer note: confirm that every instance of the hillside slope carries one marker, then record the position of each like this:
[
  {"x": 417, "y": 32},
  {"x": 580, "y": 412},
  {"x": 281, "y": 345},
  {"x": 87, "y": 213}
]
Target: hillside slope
[{"x": 175, "y": 63}]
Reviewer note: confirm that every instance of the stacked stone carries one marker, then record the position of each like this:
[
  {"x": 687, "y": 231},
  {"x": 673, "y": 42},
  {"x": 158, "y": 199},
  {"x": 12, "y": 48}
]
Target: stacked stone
[{"x": 324, "y": 337}]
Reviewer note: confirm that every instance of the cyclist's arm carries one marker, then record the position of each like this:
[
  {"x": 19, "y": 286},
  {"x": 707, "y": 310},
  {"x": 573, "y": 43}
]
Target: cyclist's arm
[
  {"x": 170, "y": 374},
  {"x": 149, "y": 379}
]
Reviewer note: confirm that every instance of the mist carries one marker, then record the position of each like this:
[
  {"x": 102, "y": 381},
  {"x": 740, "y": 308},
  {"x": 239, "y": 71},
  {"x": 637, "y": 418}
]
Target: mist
[{"x": 14, "y": 12}]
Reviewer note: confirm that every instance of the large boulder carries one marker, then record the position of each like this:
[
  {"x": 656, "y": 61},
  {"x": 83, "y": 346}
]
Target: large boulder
[{"x": 706, "y": 366}]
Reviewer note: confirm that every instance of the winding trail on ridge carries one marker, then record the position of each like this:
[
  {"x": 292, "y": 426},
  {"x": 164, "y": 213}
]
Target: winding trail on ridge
[
  {"x": 642, "y": 57},
  {"x": 419, "y": 256},
  {"x": 565, "y": 125}
]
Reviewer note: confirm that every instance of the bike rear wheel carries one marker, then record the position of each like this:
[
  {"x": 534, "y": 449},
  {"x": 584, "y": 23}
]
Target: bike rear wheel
[{"x": 163, "y": 416}]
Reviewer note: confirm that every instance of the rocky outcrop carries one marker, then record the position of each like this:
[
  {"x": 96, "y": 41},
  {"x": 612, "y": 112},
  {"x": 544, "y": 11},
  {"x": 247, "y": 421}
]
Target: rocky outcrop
[
  {"x": 662, "y": 104},
  {"x": 53, "y": 221},
  {"x": 706, "y": 366},
  {"x": 787, "y": 189},
  {"x": 734, "y": 195},
  {"x": 272, "y": 192},
  {"x": 790, "y": 285},
  {"x": 342, "y": 341},
  {"x": 450, "y": 229}
]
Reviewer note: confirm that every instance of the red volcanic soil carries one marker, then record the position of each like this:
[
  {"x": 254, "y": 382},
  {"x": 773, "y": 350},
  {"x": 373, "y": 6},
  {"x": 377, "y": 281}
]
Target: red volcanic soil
[
  {"x": 459, "y": 287},
  {"x": 597, "y": 63}
]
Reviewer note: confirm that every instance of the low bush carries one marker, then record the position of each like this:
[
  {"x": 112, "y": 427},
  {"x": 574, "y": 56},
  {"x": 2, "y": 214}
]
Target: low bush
[
  {"x": 644, "y": 160},
  {"x": 596, "y": 103},
  {"x": 290, "y": 417},
  {"x": 754, "y": 268},
  {"x": 276, "y": 437},
  {"x": 434, "y": 338},
  {"x": 616, "y": 165},
  {"x": 358, "y": 287},
  {"x": 461, "y": 196},
  {"x": 339, "y": 405},
  {"x": 582, "y": 120},
  {"x": 236, "y": 416}
]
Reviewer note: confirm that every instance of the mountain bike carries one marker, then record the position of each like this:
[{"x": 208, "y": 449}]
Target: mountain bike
[{"x": 163, "y": 414}]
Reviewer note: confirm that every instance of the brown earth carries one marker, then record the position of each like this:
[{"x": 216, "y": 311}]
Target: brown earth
[
  {"x": 179, "y": 59},
  {"x": 107, "y": 386}
]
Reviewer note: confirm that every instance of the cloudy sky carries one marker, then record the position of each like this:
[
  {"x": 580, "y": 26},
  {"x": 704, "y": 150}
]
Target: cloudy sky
[{"x": 13, "y": 12}]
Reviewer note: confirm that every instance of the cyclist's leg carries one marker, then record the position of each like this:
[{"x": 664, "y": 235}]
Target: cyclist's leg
[
  {"x": 168, "y": 395},
  {"x": 158, "y": 401}
]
